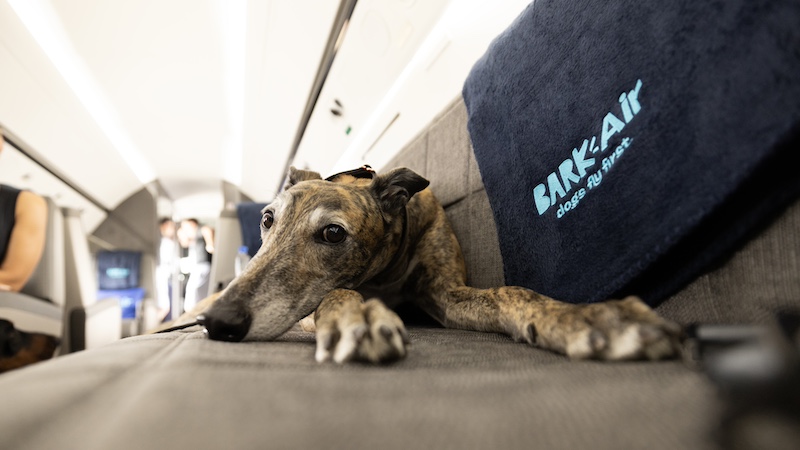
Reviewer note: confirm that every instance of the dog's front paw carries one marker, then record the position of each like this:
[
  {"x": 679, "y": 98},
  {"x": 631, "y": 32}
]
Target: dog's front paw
[
  {"x": 361, "y": 331},
  {"x": 614, "y": 330}
]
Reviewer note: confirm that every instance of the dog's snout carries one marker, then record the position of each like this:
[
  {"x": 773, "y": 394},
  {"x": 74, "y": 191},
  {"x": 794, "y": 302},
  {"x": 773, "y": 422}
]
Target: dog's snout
[{"x": 228, "y": 323}]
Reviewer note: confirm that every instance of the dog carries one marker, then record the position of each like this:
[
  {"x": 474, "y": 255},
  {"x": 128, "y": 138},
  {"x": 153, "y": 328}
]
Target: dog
[
  {"x": 349, "y": 248},
  {"x": 19, "y": 348}
]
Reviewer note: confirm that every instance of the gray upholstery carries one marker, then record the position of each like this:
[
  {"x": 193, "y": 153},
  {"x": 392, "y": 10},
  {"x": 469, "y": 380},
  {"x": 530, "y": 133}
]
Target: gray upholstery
[
  {"x": 47, "y": 280},
  {"x": 91, "y": 322},
  {"x": 442, "y": 153},
  {"x": 227, "y": 240},
  {"x": 39, "y": 306},
  {"x": 759, "y": 279},
  {"x": 455, "y": 389}
]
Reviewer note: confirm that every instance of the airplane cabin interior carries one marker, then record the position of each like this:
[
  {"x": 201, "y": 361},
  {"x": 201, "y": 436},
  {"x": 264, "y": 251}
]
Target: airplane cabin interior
[{"x": 615, "y": 183}]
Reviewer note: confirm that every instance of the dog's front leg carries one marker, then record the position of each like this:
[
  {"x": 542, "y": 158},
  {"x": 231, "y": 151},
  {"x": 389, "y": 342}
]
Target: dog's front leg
[
  {"x": 350, "y": 329},
  {"x": 612, "y": 330}
]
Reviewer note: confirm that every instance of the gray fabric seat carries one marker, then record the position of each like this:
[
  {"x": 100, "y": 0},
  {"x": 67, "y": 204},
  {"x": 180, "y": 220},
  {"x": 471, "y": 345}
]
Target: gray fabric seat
[
  {"x": 455, "y": 389},
  {"x": 91, "y": 322},
  {"x": 40, "y": 305}
]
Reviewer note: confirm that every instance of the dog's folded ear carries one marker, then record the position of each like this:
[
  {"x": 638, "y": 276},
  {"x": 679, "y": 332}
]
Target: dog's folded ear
[
  {"x": 296, "y": 175},
  {"x": 395, "y": 188}
]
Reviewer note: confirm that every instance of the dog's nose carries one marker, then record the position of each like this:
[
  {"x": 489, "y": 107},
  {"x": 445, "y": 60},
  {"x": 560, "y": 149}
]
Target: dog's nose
[{"x": 226, "y": 324}]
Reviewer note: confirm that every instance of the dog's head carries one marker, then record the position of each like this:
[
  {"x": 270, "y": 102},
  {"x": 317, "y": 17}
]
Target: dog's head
[{"x": 317, "y": 236}]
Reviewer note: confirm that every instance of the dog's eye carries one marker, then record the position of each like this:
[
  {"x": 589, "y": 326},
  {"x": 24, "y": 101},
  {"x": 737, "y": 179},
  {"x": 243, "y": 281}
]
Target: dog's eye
[
  {"x": 268, "y": 219},
  {"x": 333, "y": 234}
]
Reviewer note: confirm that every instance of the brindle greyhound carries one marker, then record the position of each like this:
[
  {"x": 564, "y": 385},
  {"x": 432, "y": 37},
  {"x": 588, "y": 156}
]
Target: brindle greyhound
[{"x": 329, "y": 244}]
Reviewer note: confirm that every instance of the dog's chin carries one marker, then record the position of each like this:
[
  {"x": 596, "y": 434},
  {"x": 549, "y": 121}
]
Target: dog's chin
[
  {"x": 271, "y": 326},
  {"x": 266, "y": 333}
]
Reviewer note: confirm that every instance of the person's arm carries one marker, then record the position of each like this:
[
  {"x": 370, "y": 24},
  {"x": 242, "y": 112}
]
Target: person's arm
[
  {"x": 208, "y": 235},
  {"x": 27, "y": 241}
]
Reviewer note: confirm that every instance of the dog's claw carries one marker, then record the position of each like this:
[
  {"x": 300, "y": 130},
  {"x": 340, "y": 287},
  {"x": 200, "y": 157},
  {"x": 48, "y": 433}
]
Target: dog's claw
[
  {"x": 328, "y": 339},
  {"x": 348, "y": 345},
  {"x": 598, "y": 340},
  {"x": 360, "y": 332},
  {"x": 322, "y": 355},
  {"x": 325, "y": 342}
]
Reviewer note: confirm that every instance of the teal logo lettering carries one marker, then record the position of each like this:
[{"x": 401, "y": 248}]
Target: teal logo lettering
[{"x": 560, "y": 183}]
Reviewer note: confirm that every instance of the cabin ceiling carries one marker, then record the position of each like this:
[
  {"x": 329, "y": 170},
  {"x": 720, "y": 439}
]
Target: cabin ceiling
[
  {"x": 173, "y": 90},
  {"x": 189, "y": 93}
]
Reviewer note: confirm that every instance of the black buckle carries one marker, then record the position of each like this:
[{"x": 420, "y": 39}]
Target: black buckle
[{"x": 364, "y": 171}]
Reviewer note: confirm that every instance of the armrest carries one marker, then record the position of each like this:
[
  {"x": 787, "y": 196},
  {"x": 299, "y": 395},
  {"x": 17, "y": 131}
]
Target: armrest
[
  {"x": 95, "y": 325},
  {"x": 31, "y": 314}
]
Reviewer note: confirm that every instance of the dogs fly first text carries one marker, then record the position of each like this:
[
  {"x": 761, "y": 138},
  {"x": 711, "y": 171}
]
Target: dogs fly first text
[{"x": 572, "y": 170}]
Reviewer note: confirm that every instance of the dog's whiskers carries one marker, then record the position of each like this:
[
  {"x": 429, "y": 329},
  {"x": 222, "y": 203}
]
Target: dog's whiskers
[{"x": 180, "y": 327}]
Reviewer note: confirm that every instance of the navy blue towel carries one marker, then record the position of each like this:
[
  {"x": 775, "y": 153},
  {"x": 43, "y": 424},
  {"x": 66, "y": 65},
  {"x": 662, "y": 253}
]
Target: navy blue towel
[
  {"x": 249, "y": 214},
  {"x": 628, "y": 145}
]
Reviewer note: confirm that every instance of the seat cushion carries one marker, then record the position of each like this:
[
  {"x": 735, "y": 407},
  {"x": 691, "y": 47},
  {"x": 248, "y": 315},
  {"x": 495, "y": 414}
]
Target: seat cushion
[{"x": 456, "y": 389}]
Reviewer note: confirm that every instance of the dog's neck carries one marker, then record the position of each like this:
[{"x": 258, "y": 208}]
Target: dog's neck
[
  {"x": 388, "y": 284},
  {"x": 396, "y": 260},
  {"x": 392, "y": 275}
]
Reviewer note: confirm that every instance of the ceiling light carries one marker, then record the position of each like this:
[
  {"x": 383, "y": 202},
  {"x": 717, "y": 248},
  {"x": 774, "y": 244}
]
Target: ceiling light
[
  {"x": 44, "y": 25},
  {"x": 458, "y": 14},
  {"x": 232, "y": 15},
  {"x": 437, "y": 37}
]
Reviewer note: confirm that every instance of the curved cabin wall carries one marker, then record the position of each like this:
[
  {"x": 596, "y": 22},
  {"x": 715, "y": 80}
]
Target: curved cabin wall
[{"x": 132, "y": 225}]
